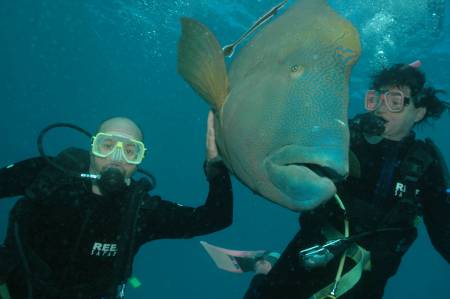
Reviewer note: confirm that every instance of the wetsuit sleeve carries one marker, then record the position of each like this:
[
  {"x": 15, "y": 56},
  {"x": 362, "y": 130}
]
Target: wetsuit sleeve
[
  {"x": 436, "y": 207},
  {"x": 8, "y": 253},
  {"x": 257, "y": 281},
  {"x": 15, "y": 178},
  {"x": 166, "y": 219},
  {"x": 7, "y": 263}
]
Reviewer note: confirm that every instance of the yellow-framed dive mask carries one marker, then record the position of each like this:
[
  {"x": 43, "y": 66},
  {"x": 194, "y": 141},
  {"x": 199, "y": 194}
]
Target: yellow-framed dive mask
[{"x": 119, "y": 148}]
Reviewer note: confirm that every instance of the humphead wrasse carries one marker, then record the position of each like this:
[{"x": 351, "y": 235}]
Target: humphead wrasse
[{"x": 281, "y": 109}]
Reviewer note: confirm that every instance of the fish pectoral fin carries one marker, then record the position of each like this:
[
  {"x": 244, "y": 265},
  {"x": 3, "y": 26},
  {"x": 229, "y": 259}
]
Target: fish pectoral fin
[{"x": 201, "y": 62}]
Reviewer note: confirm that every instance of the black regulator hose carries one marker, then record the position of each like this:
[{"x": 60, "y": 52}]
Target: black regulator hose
[{"x": 40, "y": 146}]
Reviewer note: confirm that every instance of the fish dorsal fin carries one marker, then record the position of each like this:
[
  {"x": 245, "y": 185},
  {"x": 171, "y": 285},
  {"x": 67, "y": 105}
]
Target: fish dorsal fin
[{"x": 201, "y": 62}]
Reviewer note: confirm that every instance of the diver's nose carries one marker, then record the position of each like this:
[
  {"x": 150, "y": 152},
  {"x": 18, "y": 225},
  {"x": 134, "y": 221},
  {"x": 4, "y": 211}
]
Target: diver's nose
[
  {"x": 117, "y": 155},
  {"x": 382, "y": 108}
]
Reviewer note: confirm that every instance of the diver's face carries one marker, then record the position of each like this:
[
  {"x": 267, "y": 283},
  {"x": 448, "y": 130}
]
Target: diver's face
[
  {"x": 399, "y": 124},
  {"x": 100, "y": 164}
]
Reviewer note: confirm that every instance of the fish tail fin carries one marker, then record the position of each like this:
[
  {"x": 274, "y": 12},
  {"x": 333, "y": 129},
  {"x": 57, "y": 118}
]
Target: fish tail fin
[{"x": 201, "y": 62}]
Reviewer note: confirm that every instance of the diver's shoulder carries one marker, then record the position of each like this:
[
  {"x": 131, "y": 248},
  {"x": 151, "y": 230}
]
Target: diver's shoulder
[
  {"x": 151, "y": 202},
  {"x": 427, "y": 152},
  {"x": 57, "y": 174},
  {"x": 426, "y": 144},
  {"x": 73, "y": 158},
  {"x": 435, "y": 152}
]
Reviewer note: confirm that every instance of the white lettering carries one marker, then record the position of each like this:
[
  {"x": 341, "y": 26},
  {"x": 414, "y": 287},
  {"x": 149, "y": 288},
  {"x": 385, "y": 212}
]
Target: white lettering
[
  {"x": 104, "y": 249},
  {"x": 97, "y": 246},
  {"x": 400, "y": 189}
]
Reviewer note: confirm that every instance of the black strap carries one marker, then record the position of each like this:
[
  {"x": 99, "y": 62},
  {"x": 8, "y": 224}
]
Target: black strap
[
  {"x": 441, "y": 161},
  {"x": 416, "y": 161},
  {"x": 52, "y": 179},
  {"x": 127, "y": 233},
  {"x": 23, "y": 261},
  {"x": 386, "y": 177},
  {"x": 412, "y": 168}
]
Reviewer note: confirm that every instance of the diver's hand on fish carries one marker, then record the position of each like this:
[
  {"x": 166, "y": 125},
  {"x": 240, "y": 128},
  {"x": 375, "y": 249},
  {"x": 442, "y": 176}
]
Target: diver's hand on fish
[
  {"x": 211, "y": 147},
  {"x": 213, "y": 165}
]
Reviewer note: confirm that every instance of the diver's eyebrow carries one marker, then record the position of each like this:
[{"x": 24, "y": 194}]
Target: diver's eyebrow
[{"x": 228, "y": 50}]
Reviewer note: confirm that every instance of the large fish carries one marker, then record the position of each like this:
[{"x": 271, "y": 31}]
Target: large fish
[{"x": 281, "y": 110}]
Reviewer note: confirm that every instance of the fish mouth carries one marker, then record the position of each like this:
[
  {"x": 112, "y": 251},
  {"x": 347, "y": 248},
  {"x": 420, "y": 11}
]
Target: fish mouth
[
  {"x": 307, "y": 175},
  {"x": 324, "y": 171}
]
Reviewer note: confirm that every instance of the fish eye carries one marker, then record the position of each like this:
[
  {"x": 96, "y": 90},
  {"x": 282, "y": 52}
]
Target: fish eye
[{"x": 296, "y": 71}]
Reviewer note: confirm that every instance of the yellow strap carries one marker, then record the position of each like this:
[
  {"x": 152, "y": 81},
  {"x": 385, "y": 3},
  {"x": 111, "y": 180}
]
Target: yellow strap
[
  {"x": 355, "y": 252},
  {"x": 4, "y": 292}
]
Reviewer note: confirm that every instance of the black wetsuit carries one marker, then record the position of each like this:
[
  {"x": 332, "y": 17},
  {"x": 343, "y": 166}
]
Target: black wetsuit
[
  {"x": 373, "y": 201},
  {"x": 70, "y": 236}
]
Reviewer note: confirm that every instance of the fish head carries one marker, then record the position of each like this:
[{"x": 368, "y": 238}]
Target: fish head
[{"x": 283, "y": 129}]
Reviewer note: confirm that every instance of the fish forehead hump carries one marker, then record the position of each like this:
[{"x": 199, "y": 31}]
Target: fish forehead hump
[
  {"x": 289, "y": 85},
  {"x": 307, "y": 26}
]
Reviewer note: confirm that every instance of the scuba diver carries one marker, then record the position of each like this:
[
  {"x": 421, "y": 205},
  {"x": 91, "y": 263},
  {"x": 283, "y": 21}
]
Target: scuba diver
[
  {"x": 349, "y": 248},
  {"x": 75, "y": 236}
]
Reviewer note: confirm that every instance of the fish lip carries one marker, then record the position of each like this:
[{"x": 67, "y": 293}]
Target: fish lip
[
  {"x": 323, "y": 171},
  {"x": 303, "y": 188},
  {"x": 306, "y": 175},
  {"x": 290, "y": 155}
]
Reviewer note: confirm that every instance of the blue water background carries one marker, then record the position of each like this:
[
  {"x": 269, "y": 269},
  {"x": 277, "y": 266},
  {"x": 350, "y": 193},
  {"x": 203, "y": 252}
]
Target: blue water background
[{"x": 84, "y": 61}]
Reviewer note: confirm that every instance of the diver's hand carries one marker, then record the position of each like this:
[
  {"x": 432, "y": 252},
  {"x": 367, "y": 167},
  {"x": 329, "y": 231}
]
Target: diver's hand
[
  {"x": 213, "y": 165},
  {"x": 211, "y": 147},
  {"x": 262, "y": 267}
]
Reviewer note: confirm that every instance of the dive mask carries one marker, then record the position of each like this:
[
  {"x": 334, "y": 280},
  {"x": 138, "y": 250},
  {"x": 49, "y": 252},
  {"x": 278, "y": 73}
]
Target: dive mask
[
  {"x": 394, "y": 100},
  {"x": 119, "y": 148}
]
